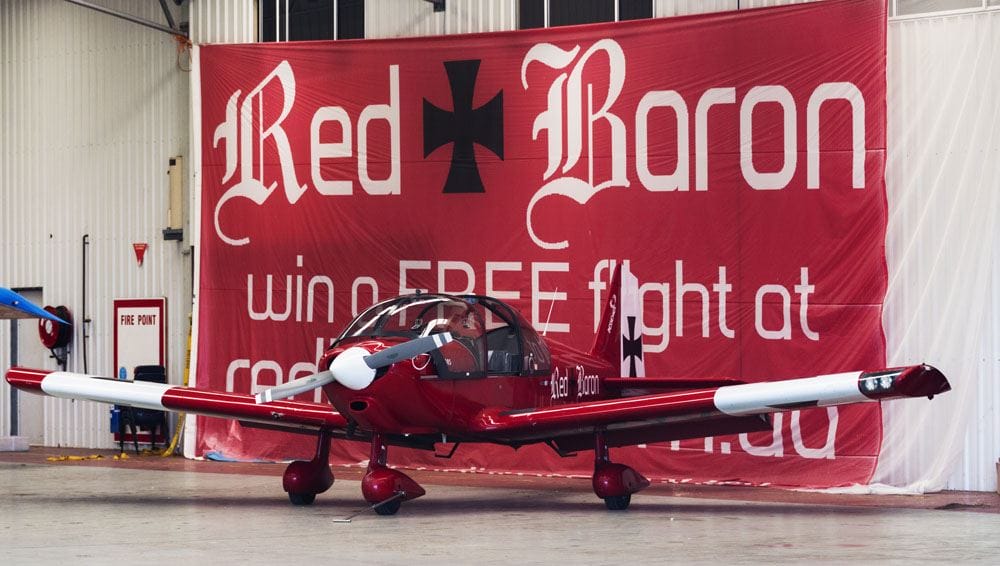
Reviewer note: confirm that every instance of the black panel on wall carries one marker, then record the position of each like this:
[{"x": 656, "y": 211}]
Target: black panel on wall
[
  {"x": 312, "y": 19},
  {"x": 351, "y": 19},
  {"x": 635, "y": 9},
  {"x": 531, "y": 13},
  {"x": 571, "y": 12}
]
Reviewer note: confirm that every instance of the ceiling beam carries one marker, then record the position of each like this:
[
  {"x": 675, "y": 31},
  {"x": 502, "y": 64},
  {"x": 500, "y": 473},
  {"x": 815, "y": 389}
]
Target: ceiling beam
[{"x": 129, "y": 17}]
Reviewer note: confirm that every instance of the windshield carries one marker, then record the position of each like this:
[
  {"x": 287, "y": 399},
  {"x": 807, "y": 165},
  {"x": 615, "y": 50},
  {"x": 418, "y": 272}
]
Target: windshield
[
  {"x": 488, "y": 334},
  {"x": 411, "y": 316}
]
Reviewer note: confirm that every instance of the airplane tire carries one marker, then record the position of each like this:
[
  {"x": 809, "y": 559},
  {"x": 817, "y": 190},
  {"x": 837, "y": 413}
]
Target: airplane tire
[
  {"x": 618, "y": 502},
  {"x": 301, "y": 498},
  {"x": 389, "y": 508}
]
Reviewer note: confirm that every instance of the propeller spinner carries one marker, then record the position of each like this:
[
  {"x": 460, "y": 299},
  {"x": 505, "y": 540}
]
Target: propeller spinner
[{"x": 355, "y": 367}]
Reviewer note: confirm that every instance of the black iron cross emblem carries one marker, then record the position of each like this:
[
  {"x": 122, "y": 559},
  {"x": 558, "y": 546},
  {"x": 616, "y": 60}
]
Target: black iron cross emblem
[
  {"x": 631, "y": 347},
  {"x": 464, "y": 126}
]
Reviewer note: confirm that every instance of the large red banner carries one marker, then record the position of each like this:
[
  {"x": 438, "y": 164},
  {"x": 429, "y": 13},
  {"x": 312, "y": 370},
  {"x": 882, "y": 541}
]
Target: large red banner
[{"x": 735, "y": 160}]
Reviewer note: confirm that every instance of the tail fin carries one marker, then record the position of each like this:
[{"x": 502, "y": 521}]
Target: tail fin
[{"x": 619, "y": 335}]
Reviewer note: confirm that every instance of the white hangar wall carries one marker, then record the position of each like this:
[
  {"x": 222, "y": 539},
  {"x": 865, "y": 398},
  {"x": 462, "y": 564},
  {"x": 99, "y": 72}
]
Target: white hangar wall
[
  {"x": 943, "y": 300},
  {"x": 224, "y": 21},
  {"x": 91, "y": 110},
  {"x": 93, "y": 107}
]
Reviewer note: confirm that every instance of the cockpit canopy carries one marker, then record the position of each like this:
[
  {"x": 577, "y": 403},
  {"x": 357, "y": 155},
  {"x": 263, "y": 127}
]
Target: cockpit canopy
[{"x": 490, "y": 337}]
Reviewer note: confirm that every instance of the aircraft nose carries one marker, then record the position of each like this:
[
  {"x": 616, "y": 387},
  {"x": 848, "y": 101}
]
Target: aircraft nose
[
  {"x": 355, "y": 367},
  {"x": 350, "y": 369}
]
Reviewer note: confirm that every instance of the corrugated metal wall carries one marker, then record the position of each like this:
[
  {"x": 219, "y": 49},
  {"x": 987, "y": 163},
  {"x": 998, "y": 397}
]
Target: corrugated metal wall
[
  {"x": 667, "y": 8},
  {"x": 224, "y": 21},
  {"x": 91, "y": 109}
]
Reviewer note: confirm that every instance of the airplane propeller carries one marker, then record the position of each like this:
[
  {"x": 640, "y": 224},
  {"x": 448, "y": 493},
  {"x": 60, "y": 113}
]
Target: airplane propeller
[{"x": 355, "y": 367}]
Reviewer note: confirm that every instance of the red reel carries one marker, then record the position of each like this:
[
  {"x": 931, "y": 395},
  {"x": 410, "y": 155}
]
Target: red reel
[{"x": 55, "y": 334}]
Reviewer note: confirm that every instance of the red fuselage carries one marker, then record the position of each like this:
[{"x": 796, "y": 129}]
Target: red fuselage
[{"x": 412, "y": 398}]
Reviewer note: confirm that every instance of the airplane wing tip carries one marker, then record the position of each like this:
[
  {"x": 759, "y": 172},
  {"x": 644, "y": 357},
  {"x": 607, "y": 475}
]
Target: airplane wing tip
[
  {"x": 25, "y": 379},
  {"x": 924, "y": 380},
  {"x": 13, "y": 305}
]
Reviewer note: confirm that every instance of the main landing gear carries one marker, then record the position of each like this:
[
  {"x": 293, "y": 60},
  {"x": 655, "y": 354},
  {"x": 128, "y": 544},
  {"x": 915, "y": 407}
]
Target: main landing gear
[
  {"x": 303, "y": 480},
  {"x": 614, "y": 483},
  {"x": 386, "y": 489}
]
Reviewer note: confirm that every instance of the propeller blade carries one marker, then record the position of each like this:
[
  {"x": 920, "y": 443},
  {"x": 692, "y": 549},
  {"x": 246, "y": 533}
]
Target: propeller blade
[
  {"x": 408, "y": 350},
  {"x": 294, "y": 387}
]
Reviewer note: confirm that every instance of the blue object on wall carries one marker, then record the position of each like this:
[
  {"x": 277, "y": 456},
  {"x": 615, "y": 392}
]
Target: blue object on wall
[{"x": 13, "y": 305}]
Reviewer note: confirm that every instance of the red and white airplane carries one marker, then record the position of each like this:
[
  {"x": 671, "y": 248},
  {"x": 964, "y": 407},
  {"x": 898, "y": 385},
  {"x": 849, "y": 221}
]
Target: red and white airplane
[{"x": 414, "y": 370}]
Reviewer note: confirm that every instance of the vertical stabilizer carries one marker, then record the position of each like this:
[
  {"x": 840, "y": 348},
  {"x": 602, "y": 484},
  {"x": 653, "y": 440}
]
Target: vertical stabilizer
[{"x": 619, "y": 334}]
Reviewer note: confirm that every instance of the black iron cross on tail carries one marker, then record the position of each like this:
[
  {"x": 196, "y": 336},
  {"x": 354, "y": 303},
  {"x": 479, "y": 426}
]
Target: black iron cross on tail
[{"x": 631, "y": 347}]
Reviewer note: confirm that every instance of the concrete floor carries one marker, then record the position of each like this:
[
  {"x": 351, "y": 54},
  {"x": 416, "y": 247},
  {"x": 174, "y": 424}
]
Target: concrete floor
[{"x": 103, "y": 512}]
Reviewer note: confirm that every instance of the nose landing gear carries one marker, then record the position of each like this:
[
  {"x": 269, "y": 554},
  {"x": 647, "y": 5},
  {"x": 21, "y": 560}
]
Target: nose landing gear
[{"x": 384, "y": 487}]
